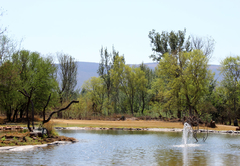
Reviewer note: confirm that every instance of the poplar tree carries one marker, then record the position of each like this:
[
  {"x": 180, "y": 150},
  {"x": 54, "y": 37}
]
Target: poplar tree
[{"x": 67, "y": 75}]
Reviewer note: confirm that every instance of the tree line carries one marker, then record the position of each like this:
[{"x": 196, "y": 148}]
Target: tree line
[{"x": 181, "y": 85}]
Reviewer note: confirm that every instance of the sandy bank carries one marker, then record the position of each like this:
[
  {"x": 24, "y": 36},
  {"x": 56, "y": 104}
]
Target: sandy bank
[{"x": 131, "y": 124}]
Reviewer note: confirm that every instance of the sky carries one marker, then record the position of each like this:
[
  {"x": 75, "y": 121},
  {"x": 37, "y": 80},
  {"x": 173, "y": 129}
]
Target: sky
[{"x": 80, "y": 27}]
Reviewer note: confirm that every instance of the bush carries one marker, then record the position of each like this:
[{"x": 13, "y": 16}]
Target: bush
[{"x": 50, "y": 129}]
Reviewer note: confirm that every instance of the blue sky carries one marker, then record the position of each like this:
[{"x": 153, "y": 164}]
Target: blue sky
[{"x": 81, "y": 28}]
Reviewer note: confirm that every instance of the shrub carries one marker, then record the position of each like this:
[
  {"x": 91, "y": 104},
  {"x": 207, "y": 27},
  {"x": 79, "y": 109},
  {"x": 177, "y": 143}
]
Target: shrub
[{"x": 50, "y": 129}]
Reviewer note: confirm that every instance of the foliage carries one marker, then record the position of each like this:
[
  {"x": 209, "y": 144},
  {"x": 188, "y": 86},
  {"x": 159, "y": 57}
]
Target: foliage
[
  {"x": 3, "y": 138},
  {"x": 106, "y": 64},
  {"x": 230, "y": 69},
  {"x": 176, "y": 42},
  {"x": 96, "y": 93},
  {"x": 172, "y": 43},
  {"x": 9, "y": 83},
  {"x": 67, "y": 77},
  {"x": 37, "y": 73},
  {"x": 183, "y": 81},
  {"x": 180, "y": 85},
  {"x": 128, "y": 79}
]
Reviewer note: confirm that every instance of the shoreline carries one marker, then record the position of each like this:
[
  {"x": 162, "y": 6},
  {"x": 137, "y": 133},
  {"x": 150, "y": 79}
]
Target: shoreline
[
  {"x": 30, "y": 147},
  {"x": 147, "y": 129}
]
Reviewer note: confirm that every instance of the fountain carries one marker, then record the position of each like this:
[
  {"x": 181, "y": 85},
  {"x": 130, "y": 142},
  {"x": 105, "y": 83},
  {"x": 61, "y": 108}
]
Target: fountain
[{"x": 187, "y": 133}]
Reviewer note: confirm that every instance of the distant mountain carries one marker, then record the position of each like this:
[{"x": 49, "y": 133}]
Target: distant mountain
[
  {"x": 86, "y": 70},
  {"x": 216, "y": 70}
]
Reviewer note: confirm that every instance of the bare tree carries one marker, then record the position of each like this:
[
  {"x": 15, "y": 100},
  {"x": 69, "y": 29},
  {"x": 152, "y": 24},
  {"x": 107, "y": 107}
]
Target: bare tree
[
  {"x": 50, "y": 116},
  {"x": 24, "y": 92},
  {"x": 175, "y": 42},
  {"x": 205, "y": 44},
  {"x": 7, "y": 48},
  {"x": 2, "y": 30}
]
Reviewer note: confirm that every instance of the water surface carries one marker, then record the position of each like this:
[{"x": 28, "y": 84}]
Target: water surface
[{"x": 107, "y": 147}]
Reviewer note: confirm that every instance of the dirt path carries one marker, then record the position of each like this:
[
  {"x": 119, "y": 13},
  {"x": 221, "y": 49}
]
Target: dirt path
[{"x": 127, "y": 124}]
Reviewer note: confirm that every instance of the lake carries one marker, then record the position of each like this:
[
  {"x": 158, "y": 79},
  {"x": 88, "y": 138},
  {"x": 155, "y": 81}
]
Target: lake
[{"x": 109, "y": 147}]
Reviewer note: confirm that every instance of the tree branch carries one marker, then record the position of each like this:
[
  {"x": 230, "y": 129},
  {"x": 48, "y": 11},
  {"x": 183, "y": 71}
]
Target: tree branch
[
  {"x": 46, "y": 107},
  {"x": 50, "y": 116}
]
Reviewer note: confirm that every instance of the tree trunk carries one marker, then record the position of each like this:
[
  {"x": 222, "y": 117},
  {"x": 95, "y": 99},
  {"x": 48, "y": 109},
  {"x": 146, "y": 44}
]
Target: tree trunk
[
  {"x": 59, "y": 114},
  {"x": 131, "y": 104},
  {"x": 179, "y": 114},
  {"x": 143, "y": 100},
  {"x": 230, "y": 121},
  {"x": 21, "y": 113},
  {"x": 9, "y": 114},
  {"x": 15, "y": 115},
  {"x": 28, "y": 124},
  {"x": 190, "y": 110}
]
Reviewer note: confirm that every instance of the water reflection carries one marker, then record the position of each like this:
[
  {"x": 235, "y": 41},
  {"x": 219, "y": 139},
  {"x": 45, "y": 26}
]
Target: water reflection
[{"x": 130, "y": 148}]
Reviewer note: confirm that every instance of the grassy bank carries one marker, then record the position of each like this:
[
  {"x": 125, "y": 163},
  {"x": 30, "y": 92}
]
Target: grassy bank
[{"x": 20, "y": 139}]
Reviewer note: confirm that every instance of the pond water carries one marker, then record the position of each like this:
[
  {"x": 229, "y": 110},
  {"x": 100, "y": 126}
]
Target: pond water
[{"x": 107, "y": 147}]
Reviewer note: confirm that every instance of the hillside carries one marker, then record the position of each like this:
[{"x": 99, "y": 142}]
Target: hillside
[{"x": 86, "y": 70}]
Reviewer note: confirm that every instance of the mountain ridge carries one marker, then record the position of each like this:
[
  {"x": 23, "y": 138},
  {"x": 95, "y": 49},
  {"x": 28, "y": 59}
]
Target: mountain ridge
[{"x": 86, "y": 70}]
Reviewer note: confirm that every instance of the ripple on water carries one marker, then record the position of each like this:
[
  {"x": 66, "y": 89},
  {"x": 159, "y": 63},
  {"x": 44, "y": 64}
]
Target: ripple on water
[{"x": 186, "y": 145}]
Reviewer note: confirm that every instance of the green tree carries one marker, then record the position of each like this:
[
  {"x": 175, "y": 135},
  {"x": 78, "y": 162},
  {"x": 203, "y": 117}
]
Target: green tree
[
  {"x": 220, "y": 102},
  {"x": 195, "y": 78},
  {"x": 9, "y": 83},
  {"x": 174, "y": 43},
  {"x": 230, "y": 69},
  {"x": 96, "y": 92},
  {"x": 128, "y": 80},
  {"x": 106, "y": 64},
  {"x": 37, "y": 74},
  {"x": 143, "y": 92},
  {"x": 183, "y": 80}
]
